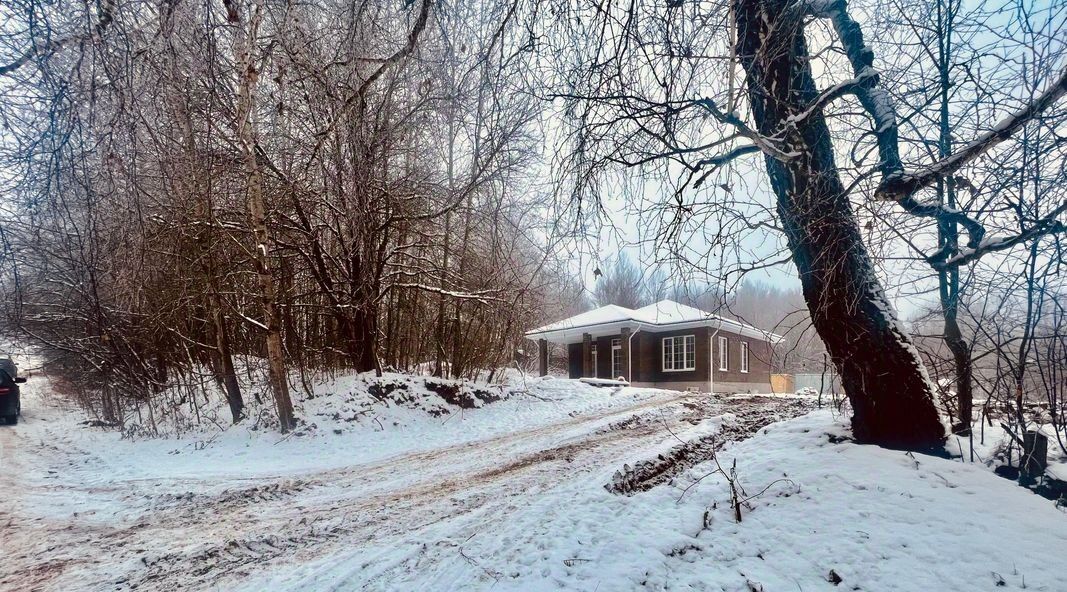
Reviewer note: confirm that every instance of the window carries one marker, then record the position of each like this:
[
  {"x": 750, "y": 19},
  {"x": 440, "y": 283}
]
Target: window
[
  {"x": 592, "y": 354},
  {"x": 724, "y": 354},
  {"x": 679, "y": 353},
  {"x": 744, "y": 356},
  {"x": 616, "y": 358}
]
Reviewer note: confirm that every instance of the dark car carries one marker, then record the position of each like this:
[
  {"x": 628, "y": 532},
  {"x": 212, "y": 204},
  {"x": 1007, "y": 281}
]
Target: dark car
[
  {"x": 10, "y": 405},
  {"x": 8, "y": 365}
]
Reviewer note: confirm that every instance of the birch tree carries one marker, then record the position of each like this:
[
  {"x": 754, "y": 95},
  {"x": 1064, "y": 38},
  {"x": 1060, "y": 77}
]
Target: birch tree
[{"x": 247, "y": 75}]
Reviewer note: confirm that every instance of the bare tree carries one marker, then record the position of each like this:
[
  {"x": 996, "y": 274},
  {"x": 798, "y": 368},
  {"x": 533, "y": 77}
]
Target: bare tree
[{"x": 639, "y": 99}]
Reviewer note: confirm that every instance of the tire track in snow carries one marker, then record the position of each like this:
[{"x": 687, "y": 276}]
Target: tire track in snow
[
  {"x": 194, "y": 541},
  {"x": 330, "y": 523}
]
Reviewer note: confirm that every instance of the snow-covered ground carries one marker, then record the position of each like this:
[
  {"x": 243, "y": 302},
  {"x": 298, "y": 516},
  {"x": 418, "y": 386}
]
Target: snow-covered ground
[{"x": 509, "y": 496}]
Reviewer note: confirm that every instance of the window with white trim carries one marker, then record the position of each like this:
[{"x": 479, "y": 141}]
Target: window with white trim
[
  {"x": 616, "y": 358},
  {"x": 744, "y": 357},
  {"x": 592, "y": 353},
  {"x": 679, "y": 353},
  {"x": 724, "y": 354}
]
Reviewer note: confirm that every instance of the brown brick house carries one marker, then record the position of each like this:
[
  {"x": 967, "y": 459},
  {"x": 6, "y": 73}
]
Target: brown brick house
[{"x": 666, "y": 345}]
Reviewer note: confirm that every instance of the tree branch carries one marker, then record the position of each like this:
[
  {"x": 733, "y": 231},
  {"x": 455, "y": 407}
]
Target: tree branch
[
  {"x": 896, "y": 187},
  {"x": 1045, "y": 226},
  {"x": 106, "y": 11},
  {"x": 360, "y": 96},
  {"x": 767, "y": 145},
  {"x": 896, "y": 184}
]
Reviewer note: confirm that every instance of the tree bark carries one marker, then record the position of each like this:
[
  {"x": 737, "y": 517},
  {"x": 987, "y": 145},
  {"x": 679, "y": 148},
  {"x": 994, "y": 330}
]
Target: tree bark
[
  {"x": 196, "y": 184},
  {"x": 257, "y": 209},
  {"x": 883, "y": 376},
  {"x": 229, "y": 375}
]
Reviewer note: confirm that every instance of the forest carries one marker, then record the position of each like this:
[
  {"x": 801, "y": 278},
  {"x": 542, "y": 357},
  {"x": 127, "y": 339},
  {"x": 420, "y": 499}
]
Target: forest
[{"x": 410, "y": 186}]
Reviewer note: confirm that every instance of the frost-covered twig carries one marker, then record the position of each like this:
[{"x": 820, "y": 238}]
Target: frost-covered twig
[
  {"x": 768, "y": 145},
  {"x": 1049, "y": 224},
  {"x": 105, "y": 11}
]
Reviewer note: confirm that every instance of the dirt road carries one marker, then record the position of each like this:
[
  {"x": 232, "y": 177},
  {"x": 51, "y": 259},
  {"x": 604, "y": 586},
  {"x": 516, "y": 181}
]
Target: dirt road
[{"x": 69, "y": 524}]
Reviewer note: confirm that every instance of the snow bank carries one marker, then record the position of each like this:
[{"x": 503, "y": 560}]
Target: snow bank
[
  {"x": 357, "y": 417},
  {"x": 822, "y": 514}
]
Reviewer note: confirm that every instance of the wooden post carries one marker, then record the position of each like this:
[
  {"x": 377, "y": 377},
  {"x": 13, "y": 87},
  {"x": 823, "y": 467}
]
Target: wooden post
[
  {"x": 1035, "y": 456},
  {"x": 625, "y": 343},
  {"x": 542, "y": 357},
  {"x": 587, "y": 355}
]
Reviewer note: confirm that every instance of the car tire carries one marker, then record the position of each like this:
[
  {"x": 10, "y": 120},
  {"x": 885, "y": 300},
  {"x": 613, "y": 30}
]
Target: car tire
[{"x": 12, "y": 420}]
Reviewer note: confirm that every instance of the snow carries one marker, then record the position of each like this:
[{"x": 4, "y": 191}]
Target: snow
[
  {"x": 342, "y": 417},
  {"x": 991, "y": 445},
  {"x": 911, "y": 524},
  {"x": 669, "y": 311},
  {"x": 605, "y": 314},
  {"x": 608, "y": 320},
  {"x": 603, "y": 382},
  {"x": 508, "y": 495}
]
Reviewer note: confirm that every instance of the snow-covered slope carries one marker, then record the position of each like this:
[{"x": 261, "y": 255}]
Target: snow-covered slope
[
  {"x": 820, "y": 515},
  {"x": 357, "y": 417}
]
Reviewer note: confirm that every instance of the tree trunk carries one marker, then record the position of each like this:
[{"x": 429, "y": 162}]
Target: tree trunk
[
  {"x": 257, "y": 210},
  {"x": 891, "y": 396},
  {"x": 229, "y": 375},
  {"x": 197, "y": 186},
  {"x": 948, "y": 232}
]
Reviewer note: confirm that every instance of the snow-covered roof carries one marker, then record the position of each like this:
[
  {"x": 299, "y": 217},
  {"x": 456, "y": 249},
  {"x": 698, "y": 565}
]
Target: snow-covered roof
[
  {"x": 665, "y": 315},
  {"x": 605, "y": 314}
]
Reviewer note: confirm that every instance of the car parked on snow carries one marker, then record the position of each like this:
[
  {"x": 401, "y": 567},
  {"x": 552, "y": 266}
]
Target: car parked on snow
[
  {"x": 10, "y": 401},
  {"x": 8, "y": 365}
]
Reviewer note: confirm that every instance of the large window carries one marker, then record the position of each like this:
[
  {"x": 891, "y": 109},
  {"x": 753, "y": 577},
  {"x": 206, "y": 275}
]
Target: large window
[
  {"x": 592, "y": 354},
  {"x": 679, "y": 353},
  {"x": 724, "y": 354},
  {"x": 616, "y": 358},
  {"x": 744, "y": 356}
]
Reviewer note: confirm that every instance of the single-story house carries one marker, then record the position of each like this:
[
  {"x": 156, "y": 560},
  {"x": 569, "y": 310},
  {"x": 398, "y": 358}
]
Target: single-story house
[{"x": 665, "y": 345}]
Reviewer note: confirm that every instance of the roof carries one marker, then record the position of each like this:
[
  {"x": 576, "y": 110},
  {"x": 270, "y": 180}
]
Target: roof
[{"x": 665, "y": 315}]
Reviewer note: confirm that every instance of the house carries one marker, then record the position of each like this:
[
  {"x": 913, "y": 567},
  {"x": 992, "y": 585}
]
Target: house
[{"x": 665, "y": 345}]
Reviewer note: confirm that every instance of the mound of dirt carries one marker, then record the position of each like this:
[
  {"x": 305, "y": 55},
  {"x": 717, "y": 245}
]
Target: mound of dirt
[
  {"x": 743, "y": 423},
  {"x": 368, "y": 397}
]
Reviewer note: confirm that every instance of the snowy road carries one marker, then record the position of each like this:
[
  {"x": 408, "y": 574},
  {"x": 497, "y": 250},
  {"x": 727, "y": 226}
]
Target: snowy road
[{"x": 75, "y": 518}]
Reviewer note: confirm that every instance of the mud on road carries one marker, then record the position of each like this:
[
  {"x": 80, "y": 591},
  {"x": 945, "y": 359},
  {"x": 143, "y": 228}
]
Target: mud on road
[{"x": 67, "y": 526}]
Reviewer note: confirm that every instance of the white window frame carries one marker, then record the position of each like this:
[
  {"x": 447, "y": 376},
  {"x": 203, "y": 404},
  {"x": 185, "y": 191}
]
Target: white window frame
[
  {"x": 724, "y": 354},
  {"x": 684, "y": 339},
  {"x": 592, "y": 354},
  {"x": 744, "y": 357},
  {"x": 616, "y": 346}
]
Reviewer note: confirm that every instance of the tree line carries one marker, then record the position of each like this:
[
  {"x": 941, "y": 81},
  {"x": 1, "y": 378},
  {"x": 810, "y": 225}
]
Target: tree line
[
  {"x": 326, "y": 185},
  {"x": 362, "y": 185}
]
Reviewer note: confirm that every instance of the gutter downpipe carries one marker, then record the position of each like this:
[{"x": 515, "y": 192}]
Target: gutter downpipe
[
  {"x": 711, "y": 360},
  {"x": 630, "y": 354}
]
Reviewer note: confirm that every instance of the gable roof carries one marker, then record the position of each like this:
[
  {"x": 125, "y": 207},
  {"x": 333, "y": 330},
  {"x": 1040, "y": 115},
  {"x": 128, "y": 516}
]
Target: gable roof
[{"x": 665, "y": 315}]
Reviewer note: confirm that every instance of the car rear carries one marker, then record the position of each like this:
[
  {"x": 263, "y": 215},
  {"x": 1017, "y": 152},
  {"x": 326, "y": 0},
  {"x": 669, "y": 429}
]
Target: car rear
[
  {"x": 8, "y": 365},
  {"x": 10, "y": 404}
]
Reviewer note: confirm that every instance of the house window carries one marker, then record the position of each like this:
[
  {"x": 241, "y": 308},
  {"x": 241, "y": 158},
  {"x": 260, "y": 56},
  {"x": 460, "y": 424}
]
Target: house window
[
  {"x": 616, "y": 358},
  {"x": 744, "y": 356},
  {"x": 592, "y": 353},
  {"x": 724, "y": 354},
  {"x": 679, "y": 353}
]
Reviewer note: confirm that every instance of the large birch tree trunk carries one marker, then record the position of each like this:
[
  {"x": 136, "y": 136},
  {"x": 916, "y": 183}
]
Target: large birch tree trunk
[
  {"x": 257, "y": 210},
  {"x": 886, "y": 383}
]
